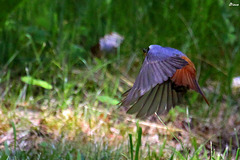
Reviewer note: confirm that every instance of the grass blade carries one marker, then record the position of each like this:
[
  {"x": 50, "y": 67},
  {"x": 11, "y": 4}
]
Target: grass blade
[
  {"x": 131, "y": 146},
  {"x": 139, "y": 131},
  {"x": 237, "y": 154},
  {"x": 171, "y": 158},
  {"x": 15, "y": 135},
  {"x": 161, "y": 148},
  {"x": 38, "y": 82},
  {"x": 6, "y": 148}
]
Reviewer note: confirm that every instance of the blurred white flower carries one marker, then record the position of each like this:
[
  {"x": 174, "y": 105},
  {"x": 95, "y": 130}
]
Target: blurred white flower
[
  {"x": 110, "y": 42},
  {"x": 236, "y": 82}
]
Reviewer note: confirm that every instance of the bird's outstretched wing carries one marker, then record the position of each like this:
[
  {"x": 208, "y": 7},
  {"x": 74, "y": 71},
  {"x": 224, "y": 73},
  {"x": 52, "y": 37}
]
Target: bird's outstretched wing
[
  {"x": 153, "y": 73},
  {"x": 159, "y": 99}
]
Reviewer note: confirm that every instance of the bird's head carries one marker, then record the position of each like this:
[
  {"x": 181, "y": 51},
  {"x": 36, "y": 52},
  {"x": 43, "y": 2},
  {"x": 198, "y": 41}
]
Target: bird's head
[
  {"x": 151, "y": 49},
  {"x": 145, "y": 51}
]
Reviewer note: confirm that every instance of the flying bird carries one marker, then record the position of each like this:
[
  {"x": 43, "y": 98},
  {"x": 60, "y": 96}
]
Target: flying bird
[{"x": 164, "y": 78}]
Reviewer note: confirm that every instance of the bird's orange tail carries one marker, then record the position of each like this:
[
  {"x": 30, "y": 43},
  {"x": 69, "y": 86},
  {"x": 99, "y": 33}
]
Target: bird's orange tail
[
  {"x": 198, "y": 89},
  {"x": 187, "y": 77}
]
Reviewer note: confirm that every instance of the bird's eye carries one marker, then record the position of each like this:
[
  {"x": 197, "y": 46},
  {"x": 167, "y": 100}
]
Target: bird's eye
[
  {"x": 148, "y": 49},
  {"x": 145, "y": 50}
]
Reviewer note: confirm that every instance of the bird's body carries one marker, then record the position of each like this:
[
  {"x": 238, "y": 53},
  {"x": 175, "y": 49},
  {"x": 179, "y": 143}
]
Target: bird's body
[{"x": 166, "y": 75}]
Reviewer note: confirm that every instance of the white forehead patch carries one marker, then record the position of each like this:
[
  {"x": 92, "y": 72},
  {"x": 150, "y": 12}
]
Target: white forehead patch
[{"x": 150, "y": 47}]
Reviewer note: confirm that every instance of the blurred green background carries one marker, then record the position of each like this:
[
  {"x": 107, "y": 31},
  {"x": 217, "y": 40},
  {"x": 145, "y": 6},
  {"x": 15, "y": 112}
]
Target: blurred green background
[
  {"x": 51, "y": 38},
  {"x": 51, "y": 41}
]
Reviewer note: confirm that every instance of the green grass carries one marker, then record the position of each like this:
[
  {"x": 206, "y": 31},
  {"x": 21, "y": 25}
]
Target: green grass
[
  {"x": 53, "y": 151},
  {"x": 76, "y": 150},
  {"x": 50, "y": 41}
]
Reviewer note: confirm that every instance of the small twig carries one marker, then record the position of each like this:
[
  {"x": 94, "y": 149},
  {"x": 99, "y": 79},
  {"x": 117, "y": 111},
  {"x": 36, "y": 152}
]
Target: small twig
[
  {"x": 213, "y": 65},
  {"x": 127, "y": 81},
  {"x": 142, "y": 123},
  {"x": 170, "y": 132}
]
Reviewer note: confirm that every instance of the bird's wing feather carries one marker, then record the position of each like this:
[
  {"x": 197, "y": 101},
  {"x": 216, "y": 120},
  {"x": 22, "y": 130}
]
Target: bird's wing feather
[
  {"x": 153, "y": 72},
  {"x": 159, "y": 99}
]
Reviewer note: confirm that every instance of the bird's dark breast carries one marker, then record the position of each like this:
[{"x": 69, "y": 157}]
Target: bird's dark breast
[{"x": 178, "y": 88}]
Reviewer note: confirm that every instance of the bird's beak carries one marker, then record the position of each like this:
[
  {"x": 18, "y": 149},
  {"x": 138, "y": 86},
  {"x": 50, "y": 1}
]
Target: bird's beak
[{"x": 145, "y": 51}]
